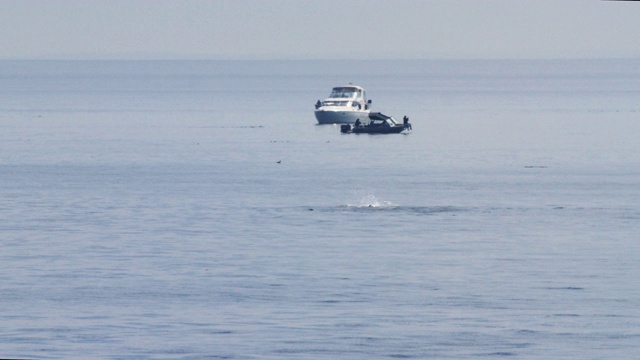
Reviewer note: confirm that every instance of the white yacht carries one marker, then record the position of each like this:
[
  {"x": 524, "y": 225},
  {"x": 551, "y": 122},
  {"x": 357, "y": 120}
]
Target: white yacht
[{"x": 345, "y": 105}]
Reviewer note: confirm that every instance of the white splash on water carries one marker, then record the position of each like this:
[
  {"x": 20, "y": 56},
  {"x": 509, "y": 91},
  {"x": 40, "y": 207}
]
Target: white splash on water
[{"x": 371, "y": 201}]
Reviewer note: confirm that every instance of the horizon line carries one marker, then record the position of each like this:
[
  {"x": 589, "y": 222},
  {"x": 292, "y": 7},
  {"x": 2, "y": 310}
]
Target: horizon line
[{"x": 248, "y": 59}]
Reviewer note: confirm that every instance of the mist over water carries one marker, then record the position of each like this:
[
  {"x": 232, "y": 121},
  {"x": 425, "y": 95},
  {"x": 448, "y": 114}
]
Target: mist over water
[{"x": 185, "y": 210}]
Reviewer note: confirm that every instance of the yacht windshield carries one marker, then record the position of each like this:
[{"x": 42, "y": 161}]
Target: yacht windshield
[{"x": 345, "y": 93}]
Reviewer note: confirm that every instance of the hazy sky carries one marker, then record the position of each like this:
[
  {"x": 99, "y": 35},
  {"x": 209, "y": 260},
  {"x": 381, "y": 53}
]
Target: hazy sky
[{"x": 318, "y": 29}]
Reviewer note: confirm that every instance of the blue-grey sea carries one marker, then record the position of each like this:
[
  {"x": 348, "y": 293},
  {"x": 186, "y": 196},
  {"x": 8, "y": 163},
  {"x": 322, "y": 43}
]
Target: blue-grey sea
[{"x": 195, "y": 210}]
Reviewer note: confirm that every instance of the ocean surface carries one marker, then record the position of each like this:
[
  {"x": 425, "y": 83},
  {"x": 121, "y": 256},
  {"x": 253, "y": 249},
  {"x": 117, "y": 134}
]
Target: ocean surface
[{"x": 194, "y": 210}]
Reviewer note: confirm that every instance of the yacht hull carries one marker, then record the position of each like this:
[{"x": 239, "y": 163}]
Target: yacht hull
[{"x": 340, "y": 116}]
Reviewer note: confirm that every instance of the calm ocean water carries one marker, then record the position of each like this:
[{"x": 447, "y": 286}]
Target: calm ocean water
[{"x": 144, "y": 214}]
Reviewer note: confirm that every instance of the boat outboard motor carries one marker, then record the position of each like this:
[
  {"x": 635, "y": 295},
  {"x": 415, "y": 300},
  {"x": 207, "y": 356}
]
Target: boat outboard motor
[{"x": 345, "y": 128}]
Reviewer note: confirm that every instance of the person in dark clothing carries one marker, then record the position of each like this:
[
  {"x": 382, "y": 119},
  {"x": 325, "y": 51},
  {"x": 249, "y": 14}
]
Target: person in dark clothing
[
  {"x": 358, "y": 123},
  {"x": 405, "y": 119}
]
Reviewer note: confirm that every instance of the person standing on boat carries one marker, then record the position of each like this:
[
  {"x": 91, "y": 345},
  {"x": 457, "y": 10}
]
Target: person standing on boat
[
  {"x": 405, "y": 119},
  {"x": 358, "y": 123}
]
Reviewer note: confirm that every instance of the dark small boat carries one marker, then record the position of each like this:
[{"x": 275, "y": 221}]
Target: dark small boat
[{"x": 378, "y": 124}]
